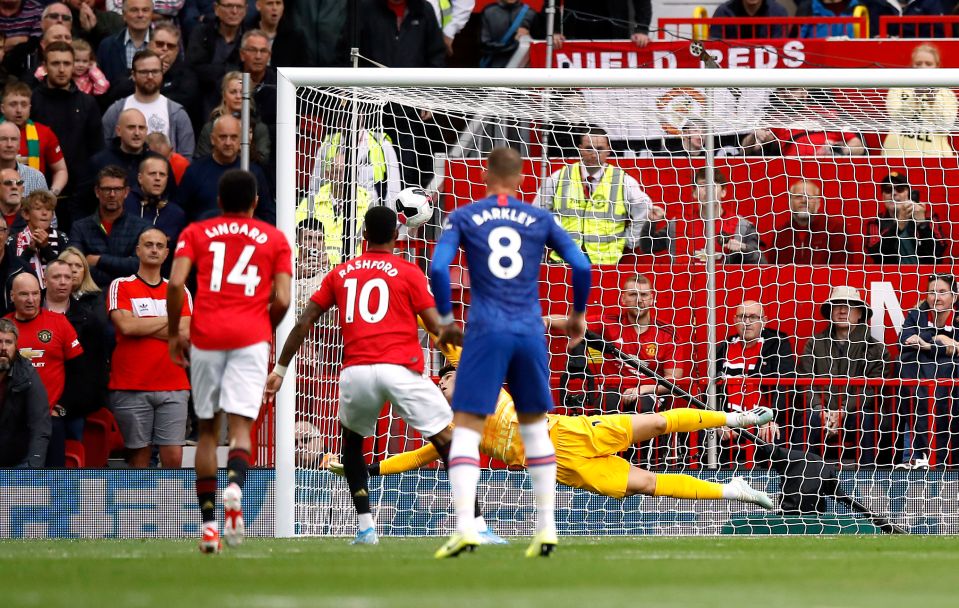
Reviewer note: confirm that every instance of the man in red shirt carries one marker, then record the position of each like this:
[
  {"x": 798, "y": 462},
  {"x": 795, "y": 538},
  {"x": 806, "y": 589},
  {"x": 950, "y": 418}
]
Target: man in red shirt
[
  {"x": 809, "y": 237},
  {"x": 379, "y": 296},
  {"x": 49, "y": 342},
  {"x": 39, "y": 146},
  {"x": 148, "y": 392},
  {"x": 243, "y": 269}
]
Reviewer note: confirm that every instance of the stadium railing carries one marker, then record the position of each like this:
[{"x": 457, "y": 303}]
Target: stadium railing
[{"x": 675, "y": 27}]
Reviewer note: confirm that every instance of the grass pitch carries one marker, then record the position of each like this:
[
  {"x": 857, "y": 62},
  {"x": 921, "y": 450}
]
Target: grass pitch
[{"x": 584, "y": 573}]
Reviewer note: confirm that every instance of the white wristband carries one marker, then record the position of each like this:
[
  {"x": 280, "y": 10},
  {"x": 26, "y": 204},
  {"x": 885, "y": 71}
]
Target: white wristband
[
  {"x": 447, "y": 319},
  {"x": 279, "y": 370}
]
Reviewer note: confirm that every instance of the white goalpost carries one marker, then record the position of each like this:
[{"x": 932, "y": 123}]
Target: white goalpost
[{"x": 787, "y": 195}]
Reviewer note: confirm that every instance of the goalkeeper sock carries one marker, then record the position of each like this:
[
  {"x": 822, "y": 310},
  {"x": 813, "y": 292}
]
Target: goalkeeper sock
[
  {"x": 238, "y": 461},
  {"x": 206, "y": 497},
  {"x": 685, "y": 420},
  {"x": 686, "y": 486},
  {"x": 541, "y": 464},
  {"x": 354, "y": 469},
  {"x": 464, "y": 475}
]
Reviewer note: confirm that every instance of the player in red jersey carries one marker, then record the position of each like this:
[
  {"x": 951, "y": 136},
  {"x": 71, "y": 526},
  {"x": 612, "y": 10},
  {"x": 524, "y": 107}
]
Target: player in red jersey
[
  {"x": 379, "y": 295},
  {"x": 243, "y": 291}
]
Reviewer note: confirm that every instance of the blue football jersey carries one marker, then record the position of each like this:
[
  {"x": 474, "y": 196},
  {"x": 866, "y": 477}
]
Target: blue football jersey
[{"x": 504, "y": 239}]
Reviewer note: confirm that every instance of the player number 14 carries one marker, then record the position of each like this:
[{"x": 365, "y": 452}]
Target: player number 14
[{"x": 241, "y": 274}]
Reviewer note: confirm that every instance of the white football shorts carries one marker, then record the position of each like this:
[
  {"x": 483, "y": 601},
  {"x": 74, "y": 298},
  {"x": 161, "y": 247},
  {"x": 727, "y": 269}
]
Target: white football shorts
[
  {"x": 229, "y": 380},
  {"x": 365, "y": 388}
]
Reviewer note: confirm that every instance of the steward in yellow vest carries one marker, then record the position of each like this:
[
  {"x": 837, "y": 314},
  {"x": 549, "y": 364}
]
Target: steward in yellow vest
[{"x": 327, "y": 208}]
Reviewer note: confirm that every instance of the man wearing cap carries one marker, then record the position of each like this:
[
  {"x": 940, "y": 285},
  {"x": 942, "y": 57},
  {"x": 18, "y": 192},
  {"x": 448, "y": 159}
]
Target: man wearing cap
[
  {"x": 844, "y": 349},
  {"x": 908, "y": 233}
]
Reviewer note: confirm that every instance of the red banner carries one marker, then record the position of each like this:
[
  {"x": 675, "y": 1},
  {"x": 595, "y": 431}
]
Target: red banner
[{"x": 761, "y": 54}]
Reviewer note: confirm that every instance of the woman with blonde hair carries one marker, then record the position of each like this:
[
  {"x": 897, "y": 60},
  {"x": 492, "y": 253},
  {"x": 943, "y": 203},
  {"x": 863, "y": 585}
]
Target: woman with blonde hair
[
  {"x": 923, "y": 116},
  {"x": 83, "y": 283},
  {"x": 231, "y": 102}
]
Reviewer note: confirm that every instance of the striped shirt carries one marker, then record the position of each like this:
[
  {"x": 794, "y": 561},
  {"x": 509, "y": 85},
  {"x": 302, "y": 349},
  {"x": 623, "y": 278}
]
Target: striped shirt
[
  {"x": 25, "y": 23},
  {"x": 131, "y": 48}
]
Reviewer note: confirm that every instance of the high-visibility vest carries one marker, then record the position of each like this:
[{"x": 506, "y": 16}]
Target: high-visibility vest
[
  {"x": 446, "y": 13},
  {"x": 375, "y": 155},
  {"x": 598, "y": 223},
  {"x": 323, "y": 209}
]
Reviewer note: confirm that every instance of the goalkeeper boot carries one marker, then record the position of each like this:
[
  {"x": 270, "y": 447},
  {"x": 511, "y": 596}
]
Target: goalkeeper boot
[
  {"x": 458, "y": 543},
  {"x": 233, "y": 526},
  {"x": 488, "y": 537},
  {"x": 210, "y": 541},
  {"x": 544, "y": 543},
  {"x": 366, "y": 537},
  {"x": 754, "y": 417},
  {"x": 743, "y": 492}
]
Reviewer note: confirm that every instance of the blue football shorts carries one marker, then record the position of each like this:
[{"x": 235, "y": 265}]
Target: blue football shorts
[{"x": 489, "y": 359}]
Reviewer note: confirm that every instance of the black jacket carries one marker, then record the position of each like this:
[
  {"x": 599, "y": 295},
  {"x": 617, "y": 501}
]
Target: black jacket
[
  {"x": 117, "y": 250},
  {"x": 200, "y": 56},
  {"x": 417, "y": 44},
  {"x": 85, "y": 385},
  {"x": 113, "y": 155},
  {"x": 583, "y": 19},
  {"x": 24, "y": 418},
  {"x": 777, "y": 359},
  {"x": 10, "y": 266},
  {"x": 923, "y": 242}
]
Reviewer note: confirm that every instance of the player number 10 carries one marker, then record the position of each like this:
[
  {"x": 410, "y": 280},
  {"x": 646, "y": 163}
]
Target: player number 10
[
  {"x": 383, "y": 291},
  {"x": 498, "y": 252},
  {"x": 241, "y": 274}
]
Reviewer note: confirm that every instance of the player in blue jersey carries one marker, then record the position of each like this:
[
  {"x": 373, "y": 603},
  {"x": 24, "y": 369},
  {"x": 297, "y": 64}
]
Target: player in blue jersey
[{"x": 503, "y": 239}]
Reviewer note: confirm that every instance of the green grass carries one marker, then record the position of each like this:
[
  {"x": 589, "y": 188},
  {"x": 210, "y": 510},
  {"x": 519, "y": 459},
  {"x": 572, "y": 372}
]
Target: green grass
[{"x": 584, "y": 573}]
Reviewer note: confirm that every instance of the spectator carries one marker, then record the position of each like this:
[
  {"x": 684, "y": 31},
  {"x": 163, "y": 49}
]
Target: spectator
[
  {"x": 11, "y": 201},
  {"x": 754, "y": 351},
  {"x": 231, "y": 103},
  {"x": 197, "y": 193},
  {"x": 908, "y": 233},
  {"x": 162, "y": 114},
  {"x": 87, "y": 75},
  {"x": 925, "y": 116},
  {"x": 502, "y": 25},
  {"x": 214, "y": 49},
  {"x": 5, "y": 76},
  {"x": 691, "y": 142},
  {"x": 378, "y": 167},
  {"x": 602, "y": 207},
  {"x": 737, "y": 241},
  {"x": 929, "y": 349},
  {"x": 748, "y": 8},
  {"x": 50, "y": 343},
  {"x": 255, "y": 60},
  {"x": 313, "y": 259},
  {"x": 322, "y": 23},
  {"x": 829, "y": 8},
  {"x": 10, "y": 159},
  {"x": 38, "y": 143},
  {"x": 10, "y": 267},
  {"x": 633, "y": 329},
  {"x": 148, "y": 392},
  {"x": 844, "y": 349},
  {"x": 603, "y": 20},
  {"x": 108, "y": 238},
  {"x": 26, "y": 57},
  {"x": 810, "y": 118},
  {"x": 128, "y": 149},
  {"x": 87, "y": 377},
  {"x": 150, "y": 202},
  {"x": 910, "y": 8},
  {"x": 24, "y": 413},
  {"x": 179, "y": 82},
  {"x": 91, "y": 23},
  {"x": 452, "y": 16},
  {"x": 74, "y": 118},
  {"x": 39, "y": 242},
  {"x": 19, "y": 20},
  {"x": 159, "y": 144},
  {"x": 810, "y": 237},
  {"x": 116, "y": 52},
  {"x": 285, "y": 43}
]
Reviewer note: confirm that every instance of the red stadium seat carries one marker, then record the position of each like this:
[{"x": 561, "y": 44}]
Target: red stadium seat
[
  {"x": 101, "y": 436},
  {"x": 76, "y": 454}
]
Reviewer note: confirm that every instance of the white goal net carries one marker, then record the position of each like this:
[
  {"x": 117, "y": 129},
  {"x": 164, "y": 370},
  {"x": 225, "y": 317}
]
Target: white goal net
[{"x": 788, "y": 243}]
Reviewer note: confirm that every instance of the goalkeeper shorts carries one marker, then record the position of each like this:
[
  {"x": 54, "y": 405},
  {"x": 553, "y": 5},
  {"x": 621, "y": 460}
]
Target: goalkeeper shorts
[{"x": 586, "y": 448}]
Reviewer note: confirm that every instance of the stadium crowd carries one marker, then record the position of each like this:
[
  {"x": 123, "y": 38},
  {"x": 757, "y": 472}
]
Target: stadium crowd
[{"x": 118, "y": 119}]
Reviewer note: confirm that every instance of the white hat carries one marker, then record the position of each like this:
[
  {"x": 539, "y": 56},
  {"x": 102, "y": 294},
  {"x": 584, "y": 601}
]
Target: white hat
[{"x": 844, "y": 294}]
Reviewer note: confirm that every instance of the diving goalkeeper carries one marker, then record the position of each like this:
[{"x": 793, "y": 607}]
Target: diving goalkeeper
[{"x": 586, "y": 448}]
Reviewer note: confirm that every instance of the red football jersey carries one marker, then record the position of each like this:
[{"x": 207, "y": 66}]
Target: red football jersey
[
  {"x": 142, "y": 363},
  {"x": 379, "y": 295},
  {"x": 236, "y": 258},
  {"x": 48, "y": 341},
  {"x": 656, "y": 346}
]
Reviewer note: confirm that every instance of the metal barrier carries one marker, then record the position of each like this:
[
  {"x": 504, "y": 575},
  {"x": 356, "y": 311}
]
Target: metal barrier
[
  {"x": 790, "y": 25},
  {"x": 890, "y": 26}
]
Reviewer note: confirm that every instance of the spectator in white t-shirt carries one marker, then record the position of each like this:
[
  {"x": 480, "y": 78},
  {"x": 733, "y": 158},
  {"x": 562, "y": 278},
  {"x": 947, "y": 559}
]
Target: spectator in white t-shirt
[{"x": 162, "y": 114}]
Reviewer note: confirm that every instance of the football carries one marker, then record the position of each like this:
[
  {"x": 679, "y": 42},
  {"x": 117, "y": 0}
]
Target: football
[{"x": 414, "y": 207}]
